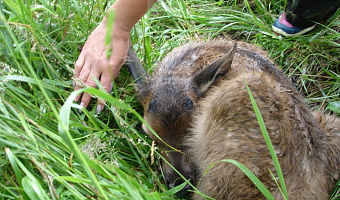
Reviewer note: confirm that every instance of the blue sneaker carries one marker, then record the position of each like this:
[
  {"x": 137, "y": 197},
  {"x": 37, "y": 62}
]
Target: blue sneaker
[{"x": 282, "y": 27}]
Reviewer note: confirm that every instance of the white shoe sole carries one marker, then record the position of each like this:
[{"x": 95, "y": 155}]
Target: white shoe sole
[{"x": 281, "y": 32}]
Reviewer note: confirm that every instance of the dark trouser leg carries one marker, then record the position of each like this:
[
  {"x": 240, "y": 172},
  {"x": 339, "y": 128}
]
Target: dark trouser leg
[{"x": 302, "y": 13}]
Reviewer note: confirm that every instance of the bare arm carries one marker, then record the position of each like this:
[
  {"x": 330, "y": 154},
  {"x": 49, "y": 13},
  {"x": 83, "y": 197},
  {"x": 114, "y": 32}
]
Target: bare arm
[
  {"x": 129, "y": 12},
  {"x": 92, "y": 63}
]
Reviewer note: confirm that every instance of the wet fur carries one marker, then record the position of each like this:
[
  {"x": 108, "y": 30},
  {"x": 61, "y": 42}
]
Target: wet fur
[
  {"x": 221, "y": 124},
  {"x": 309, "y": 157}
]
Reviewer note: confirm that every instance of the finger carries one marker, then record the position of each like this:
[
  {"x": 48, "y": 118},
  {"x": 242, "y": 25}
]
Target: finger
[
  {"x": 106, "y": 83},
  {"x": 83, "y": 76},
  {"x": 85, "y": 72},
  {"x": 78, "y": 87},
  {"x": 79, "y": 64},
  {"x": 86, "y": 98}
]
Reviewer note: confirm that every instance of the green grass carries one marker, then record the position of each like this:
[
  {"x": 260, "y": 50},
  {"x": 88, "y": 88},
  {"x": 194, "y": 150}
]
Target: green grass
[{"x": 48, "y": 150}]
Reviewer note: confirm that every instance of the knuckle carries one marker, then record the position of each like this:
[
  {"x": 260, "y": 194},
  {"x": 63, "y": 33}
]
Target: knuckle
[
  {"x": 77, "y": 65},
  {"x": 84, "y": 73},
  {"x": 91, "y": 83}
]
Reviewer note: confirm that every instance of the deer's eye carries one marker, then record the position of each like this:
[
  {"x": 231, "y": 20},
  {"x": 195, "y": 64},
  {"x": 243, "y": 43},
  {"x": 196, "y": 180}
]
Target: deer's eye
[
  {"x": 152, "y": 105},
  {"x": 187, "y": 103}
]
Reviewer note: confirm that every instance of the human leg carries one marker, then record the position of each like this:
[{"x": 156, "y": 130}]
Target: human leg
[{"x": 300, "y": 15}]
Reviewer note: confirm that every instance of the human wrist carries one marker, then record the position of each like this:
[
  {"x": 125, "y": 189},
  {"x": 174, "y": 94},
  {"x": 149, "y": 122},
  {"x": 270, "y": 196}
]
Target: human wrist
[{"x": 118, "y": 25}]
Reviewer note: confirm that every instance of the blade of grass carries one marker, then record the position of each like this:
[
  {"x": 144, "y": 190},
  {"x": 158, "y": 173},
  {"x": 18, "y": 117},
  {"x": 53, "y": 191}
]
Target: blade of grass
[
  {"x": 268, "y": 142},
  {"x": 63, "y": 127}
]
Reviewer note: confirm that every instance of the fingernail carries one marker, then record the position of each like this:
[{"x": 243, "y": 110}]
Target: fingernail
[
  {"x": 99, "y": 109},
  {"x": 82, "y": 106},
  {"x": 111, "y": 87},
  {"x": 77, "y": 98},
  {"x": 73, "y": 83}
]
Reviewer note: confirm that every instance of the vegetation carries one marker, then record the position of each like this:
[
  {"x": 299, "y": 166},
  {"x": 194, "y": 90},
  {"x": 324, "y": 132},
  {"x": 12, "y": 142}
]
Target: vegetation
[{"x": 50, "y": 150}]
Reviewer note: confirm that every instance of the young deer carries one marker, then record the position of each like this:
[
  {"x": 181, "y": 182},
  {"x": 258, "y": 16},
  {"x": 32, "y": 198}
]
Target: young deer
[{"x": 197, "y": 102}]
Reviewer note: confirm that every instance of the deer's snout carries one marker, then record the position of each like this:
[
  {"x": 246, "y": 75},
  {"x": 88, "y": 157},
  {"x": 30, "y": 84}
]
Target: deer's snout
[{"x": 182, "y": 163}]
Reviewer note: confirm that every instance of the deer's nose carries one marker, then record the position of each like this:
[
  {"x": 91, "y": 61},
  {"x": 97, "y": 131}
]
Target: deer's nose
[{"x": 184, "y": 191}]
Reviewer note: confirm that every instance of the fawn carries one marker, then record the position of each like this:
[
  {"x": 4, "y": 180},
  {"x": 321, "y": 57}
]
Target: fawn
[{"x": 197, "y": 102}]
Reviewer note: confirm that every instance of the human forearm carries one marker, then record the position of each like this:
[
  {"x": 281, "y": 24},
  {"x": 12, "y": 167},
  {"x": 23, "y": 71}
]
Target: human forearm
[{"x": 129, "y": 12}]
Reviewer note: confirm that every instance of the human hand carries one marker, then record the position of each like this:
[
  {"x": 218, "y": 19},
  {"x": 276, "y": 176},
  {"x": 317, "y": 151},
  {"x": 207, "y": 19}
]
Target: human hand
[{"x": 94, "y": 64}]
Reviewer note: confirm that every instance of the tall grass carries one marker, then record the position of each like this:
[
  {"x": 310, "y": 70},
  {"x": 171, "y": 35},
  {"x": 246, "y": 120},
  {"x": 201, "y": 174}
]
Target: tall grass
[{"x": 48, "y": 150}]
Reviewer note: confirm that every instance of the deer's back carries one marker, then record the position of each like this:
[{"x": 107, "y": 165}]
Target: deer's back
[{"x": 225, "y": 127}]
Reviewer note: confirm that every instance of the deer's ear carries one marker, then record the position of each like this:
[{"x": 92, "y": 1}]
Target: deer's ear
[
  {"x": 138, "y": 73},
  {"x": 209, "y": 75}
]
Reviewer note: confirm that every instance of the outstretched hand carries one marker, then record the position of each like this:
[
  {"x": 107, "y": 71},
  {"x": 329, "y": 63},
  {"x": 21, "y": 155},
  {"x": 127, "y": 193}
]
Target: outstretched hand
[{"x": 94, "y": 64}]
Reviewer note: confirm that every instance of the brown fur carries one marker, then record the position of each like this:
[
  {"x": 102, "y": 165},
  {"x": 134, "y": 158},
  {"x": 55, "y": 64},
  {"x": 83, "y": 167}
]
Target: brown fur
[{"x": 221, "y": 124}]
